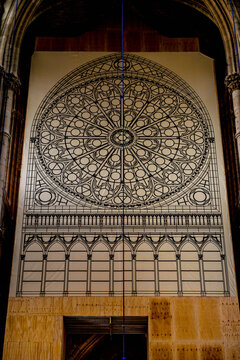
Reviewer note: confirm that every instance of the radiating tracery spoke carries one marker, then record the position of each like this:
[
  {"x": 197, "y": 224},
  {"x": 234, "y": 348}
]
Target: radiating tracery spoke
[{"x": 80, "y": 141}]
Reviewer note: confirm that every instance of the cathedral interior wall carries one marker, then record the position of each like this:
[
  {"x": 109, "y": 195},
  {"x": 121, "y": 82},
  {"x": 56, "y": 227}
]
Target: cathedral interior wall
[{"x": 179, "y": 327}]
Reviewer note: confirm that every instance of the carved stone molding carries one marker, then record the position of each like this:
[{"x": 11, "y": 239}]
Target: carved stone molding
[
  {"x": 10, "y": 80},
  {"x": 232, "y": 82}
]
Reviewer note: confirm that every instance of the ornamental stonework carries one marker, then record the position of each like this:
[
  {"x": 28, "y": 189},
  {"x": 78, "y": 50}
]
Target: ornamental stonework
[{"x": 232, "y": 82}]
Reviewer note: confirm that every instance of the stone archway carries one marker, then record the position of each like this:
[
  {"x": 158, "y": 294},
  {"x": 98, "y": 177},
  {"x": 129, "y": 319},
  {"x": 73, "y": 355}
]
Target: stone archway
[{"x": 13, "y": 112}]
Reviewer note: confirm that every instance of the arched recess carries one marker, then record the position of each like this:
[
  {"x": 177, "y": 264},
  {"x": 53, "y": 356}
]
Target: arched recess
[
  {"x": 100, "y": 269},
  {"x": 190, "y": 269},
  {"x": 29, "y": 11},
  {"x": 118, "y": 269},
  {"x": 55, "y": 269},
  {"x": 77, "y": 274},
  {"x": 32, "y": 270},
  {"x": 213, "y": 269},
  {"x": 145, "y": 275},
  {"x": 167, "y": 269}
]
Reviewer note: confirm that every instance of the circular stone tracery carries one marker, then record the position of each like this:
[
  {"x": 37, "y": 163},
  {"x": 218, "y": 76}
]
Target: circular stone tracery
[
  {"x": 80, "y": 136},
  {"x": 122, "y": 137}
]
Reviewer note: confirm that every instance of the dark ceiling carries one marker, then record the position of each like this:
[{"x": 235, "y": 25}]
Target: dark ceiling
[
  {"x": 171, "y": 18},
  {"x": 73, "y": 17}
]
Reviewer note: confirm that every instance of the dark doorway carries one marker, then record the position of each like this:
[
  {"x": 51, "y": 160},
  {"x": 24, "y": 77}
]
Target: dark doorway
[{"x": 101, "y": 338}]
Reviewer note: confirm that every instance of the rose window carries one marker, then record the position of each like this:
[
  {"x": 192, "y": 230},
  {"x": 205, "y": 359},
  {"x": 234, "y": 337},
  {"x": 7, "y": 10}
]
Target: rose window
[{"x": 83, "y": 149}]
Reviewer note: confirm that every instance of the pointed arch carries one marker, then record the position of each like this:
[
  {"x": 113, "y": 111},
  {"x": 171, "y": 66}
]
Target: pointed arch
[
  {"x": 56, "y": 251},
  {"x": 119, "y": 241},
  {"x": 32, "y": 269},
  {"x": 166, "y": 240},
  {"x": 100, "y": 268},
  {"x": 144, "y": 239},
  {"x": 190, "y": 268},
  {"x": 28, "y": 11},
  {"x": 167, "y": 268},
  {"x": 100, "y": 240},
  {"x": 31, "y": 245},
  {"x": 191, "y": 241},
  {"x": 118, "y": 268},
  {"x": 78, "y": 240},
  {"x": 213, "y": 269},
  {"x": 77, "y": 274},
  {"x": 55, "y": 268},
  {"x": 211, "y": 240},
  {"x": 145, "y": 276}
]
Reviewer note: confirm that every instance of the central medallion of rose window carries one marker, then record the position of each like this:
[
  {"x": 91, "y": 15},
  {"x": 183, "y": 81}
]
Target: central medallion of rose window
[
  {"x": 122, "y": 137},
  {"x": 80, "y": 137}
]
